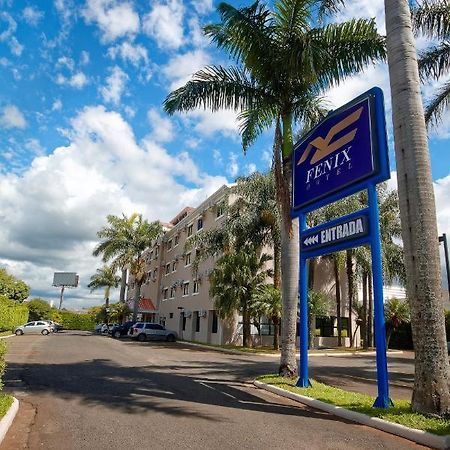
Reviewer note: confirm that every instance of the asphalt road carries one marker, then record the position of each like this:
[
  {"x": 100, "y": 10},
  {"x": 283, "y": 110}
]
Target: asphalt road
[{"x": 81, "y": 391}]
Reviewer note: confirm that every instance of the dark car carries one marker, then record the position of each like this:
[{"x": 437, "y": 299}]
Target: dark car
[{"x": 121, "y": 330}]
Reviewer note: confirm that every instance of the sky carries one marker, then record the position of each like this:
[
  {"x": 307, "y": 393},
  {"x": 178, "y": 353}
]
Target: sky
[{"x": 83, "y": 133}]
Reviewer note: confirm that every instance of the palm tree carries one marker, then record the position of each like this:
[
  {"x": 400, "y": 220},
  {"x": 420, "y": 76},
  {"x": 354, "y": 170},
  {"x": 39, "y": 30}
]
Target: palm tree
[
  {"x": 433, "y": 20},
  {"x": 104, "y": 278},
  {"x": 234, "y": 281},
  {"x": 284, "y": 63},
  {"x": 396, "y": 312},
  {"x": 266, "y": 301},
  {"x": 318, "y": 306},
  {"x": 431, "y": 392},
  {"x": 123, "y": 243}
]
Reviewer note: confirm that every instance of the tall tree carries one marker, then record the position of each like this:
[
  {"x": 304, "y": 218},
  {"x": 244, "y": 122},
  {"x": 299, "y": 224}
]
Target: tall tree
[
  {"x": 433, "y": 20},
  {"x": 104, "y": 278},
  {"x": 123, "y": 243},
  {"x": 431, "y": 393},
  {"x": 13, "y": 288},
  {"x": 234, "y": 282},
  {"x": 396, "y": 312},
  {"x": 285, "y": 60}
]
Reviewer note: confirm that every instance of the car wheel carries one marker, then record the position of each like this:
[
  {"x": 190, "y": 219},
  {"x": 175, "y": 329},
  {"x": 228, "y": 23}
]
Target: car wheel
[
  {"x": 142, "y": 337},
  {"x": 44, "y": 332},
  {"x": 116, "y": 334},
  {"x": 170, "y": 338},
  {"x": 19, "y": 332}
]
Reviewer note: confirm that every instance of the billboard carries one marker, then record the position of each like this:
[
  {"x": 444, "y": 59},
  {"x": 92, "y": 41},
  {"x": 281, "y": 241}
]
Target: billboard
[
  {"x": 341, "y": 154},
  {"x": 65, "y": 279}
]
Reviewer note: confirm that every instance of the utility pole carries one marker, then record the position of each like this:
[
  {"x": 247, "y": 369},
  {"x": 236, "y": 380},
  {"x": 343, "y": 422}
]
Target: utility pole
[
  {"x": 443, "y": 239},
  {"x": 61, "y": 297}
]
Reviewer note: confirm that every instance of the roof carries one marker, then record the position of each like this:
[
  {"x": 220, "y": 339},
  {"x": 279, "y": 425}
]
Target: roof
[{"x": 145, "y": 305}]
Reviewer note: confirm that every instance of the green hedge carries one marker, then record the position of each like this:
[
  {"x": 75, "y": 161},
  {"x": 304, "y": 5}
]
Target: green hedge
[
  {"x": 2, "y": 361},
  {"x": 75, "y": 321},
  {"x": 12, "y": 314}
]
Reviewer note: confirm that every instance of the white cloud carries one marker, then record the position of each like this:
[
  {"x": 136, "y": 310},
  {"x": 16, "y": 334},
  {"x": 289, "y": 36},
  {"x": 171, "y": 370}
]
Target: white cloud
[
  {"x": 115, "y": 19},
  {"x": 164, "y": 23},
  {"x": 233, "y": 167},
  {"x": 180, "y": 68},
  {"x": 115, "y": 85},
  {"x": 34, "y": 146},
  {"x": 203, "y": 6},
  {"x": 32, "y": 15},
  {"x": 129, "y": 111},
  {"x": 162, "y": 128},
  {"x": 12, "y": 117},
  {"x": 7, "y": 35},
  {"x": 123, "y": 176},
  {"x": 57, "y": 105},
  {"x": 135, "y": 54},
  {"x": 251, "y": 168},
  {"x": 208, "y": 123},
  {"x": 77, "y": 80},
  {"x": 65, "y": 61},
  {"x": 84, "y": 58}
]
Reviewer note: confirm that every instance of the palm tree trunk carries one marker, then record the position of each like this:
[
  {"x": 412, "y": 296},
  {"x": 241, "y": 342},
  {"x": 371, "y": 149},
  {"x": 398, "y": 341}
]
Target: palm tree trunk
[
  {"x": 137, "y": 295},
  {"x": 364, "y": 312},
  {"x": 337, "y": 283},
  {"x": 276, "y": 332},
  {"x": 431, "y": 393},
  {"x": 312, "y": 330},
  {"x": 351, "y": 292},
  {"x": 246, "y": 328},
  {"x": 123, "y": 286}
]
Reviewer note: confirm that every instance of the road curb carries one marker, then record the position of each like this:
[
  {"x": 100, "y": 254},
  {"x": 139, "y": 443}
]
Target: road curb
[
  {"x": 8, "y": 418},
  {"x": 419, "y": 436},
  {"x": 7, "y": 337}
]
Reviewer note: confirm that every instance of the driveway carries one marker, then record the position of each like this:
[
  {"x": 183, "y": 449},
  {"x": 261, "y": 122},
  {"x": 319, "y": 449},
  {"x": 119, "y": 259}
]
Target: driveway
[{"x": 82, "y": 391}]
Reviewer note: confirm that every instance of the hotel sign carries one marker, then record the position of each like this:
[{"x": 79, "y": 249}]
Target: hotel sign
[
  {"x": 341, "y": 230},
  {"x": 341, "y": 154}
]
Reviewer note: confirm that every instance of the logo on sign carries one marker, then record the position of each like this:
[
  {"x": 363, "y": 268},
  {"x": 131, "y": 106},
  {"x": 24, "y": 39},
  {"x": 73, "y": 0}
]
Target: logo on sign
[{"x": 342, "y": 152}]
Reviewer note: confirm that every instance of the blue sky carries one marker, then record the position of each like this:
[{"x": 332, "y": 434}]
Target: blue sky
[{"x": 83, "y": 134}]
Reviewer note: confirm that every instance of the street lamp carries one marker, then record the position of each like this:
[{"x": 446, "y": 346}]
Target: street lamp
[{"x": 443, "y": 239}]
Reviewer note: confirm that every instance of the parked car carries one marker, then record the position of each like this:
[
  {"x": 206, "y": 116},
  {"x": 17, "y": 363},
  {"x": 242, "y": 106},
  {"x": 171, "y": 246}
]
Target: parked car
[
  {"x": 54, "y": 325},
  {"x": 121, "y": 330},
  {"x": 152, "y": 331},
  {"x": 38, "y": 326}
]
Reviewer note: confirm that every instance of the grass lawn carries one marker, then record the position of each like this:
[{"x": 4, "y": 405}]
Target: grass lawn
[
  {"x": 5, "y": 403},
  {"x": 401, "y": 413}
]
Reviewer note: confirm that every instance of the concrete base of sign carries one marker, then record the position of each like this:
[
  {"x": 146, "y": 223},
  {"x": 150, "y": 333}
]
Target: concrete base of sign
[
  {"x": 8, "y": 418},
  {"x": 419, "y": 436}
]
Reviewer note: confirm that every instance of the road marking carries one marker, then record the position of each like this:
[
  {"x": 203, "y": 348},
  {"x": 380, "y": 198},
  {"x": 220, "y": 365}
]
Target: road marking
[{"x": 214, "y": 389}]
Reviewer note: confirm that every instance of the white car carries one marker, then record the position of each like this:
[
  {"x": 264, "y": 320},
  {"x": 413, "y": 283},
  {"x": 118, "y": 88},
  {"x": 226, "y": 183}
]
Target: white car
[
  {"x": 152, "y": 331},
  {"x": 36, "y": 327}
]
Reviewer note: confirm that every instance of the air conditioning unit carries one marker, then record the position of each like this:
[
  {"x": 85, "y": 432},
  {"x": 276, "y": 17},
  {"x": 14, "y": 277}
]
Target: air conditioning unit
[
  {"x": 202, "y": 313},
  {"x": 187, "y": 313}
]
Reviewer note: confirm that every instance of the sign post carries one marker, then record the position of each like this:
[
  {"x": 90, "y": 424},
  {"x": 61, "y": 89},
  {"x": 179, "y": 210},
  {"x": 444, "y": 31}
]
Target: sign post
[{"x": 344, "y": 154}]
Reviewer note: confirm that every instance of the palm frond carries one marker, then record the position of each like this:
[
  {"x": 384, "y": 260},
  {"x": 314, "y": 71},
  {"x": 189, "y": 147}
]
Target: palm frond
[
  {"x": 292, "y": 18},
  {"x": 438, "y": 104},
  {"x": 435, "y": 61},
  {"x": 253, "y": 121},
  {"x": 328, "y": 7},
  {"x": 215, "y": 88},
  {"x": 432, "y": 19}
]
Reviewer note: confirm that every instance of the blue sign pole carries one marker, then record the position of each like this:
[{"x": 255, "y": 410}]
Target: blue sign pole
[
  {"x": 303, "y": 380},
  {"x": 383, "y": 400}
]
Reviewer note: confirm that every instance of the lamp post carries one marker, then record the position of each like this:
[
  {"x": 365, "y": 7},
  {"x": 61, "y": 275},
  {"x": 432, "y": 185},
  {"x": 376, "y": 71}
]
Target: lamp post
[{"x": 443, "y": 239}]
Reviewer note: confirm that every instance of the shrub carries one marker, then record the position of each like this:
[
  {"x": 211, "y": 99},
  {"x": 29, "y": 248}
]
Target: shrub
[
  {"x": 74, "y": 321},
  {"x": 11, "y": 314},
  {"x": 39, "y": 309}
]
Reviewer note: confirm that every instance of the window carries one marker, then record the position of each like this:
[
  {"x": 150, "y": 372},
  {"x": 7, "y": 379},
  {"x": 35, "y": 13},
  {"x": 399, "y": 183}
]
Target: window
[
  {"x": 189, "y": 230},
  {"x": 169, "y": 245},
  {"x": 215, "y": 322},
  {"x": 172, "y": 292},
  {"x": 184, "y": 322},
  {"x": 187, "y": 259},
  {"x": 153, "y": 326},
  {"x": 220, "y": 210},
  {"x": 155, "y": 272},
  {"x": 174, "y": 266},
  {"x": 167, "y": 268},
  {"x": 199, "y": 223},
  {"x": 197, "y": 321},
  {"x": 156, "y": 252},
  {"x": 177, "y": 239},
  {"x": 166, "y": 291},
  {"x": 170, "y": 315},
  {"x": 151, "y": 255},
  {"x": 195, "y": 287},
  {"x": 185, "y": 289}
]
